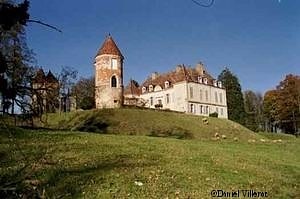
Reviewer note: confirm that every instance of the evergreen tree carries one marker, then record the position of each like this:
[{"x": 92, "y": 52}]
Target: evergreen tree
[
  {"x": 14, "y": 54},
  {"x": 235, "y": 100},
  {"x": 253, "y": 109}
]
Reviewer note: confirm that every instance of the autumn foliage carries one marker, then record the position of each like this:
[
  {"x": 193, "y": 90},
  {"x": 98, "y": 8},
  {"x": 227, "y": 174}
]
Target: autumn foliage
[{"x": 282, "y": 105}]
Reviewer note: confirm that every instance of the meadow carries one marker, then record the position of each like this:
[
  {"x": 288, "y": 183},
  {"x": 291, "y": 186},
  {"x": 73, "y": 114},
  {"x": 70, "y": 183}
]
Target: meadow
[{"x": 138, "y": 163}]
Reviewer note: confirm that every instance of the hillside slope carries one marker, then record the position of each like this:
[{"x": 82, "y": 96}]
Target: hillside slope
[
  {"x": 56, "y": 164},
  {"x": 131, "y": 121}
]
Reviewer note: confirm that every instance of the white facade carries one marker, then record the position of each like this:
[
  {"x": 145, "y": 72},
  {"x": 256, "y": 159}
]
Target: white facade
[{"x": 189, "y": 97}]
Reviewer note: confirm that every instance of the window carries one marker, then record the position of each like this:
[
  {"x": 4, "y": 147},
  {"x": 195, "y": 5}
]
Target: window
[
  {"x": 167, "y": 98},
  {"x": 144, "y": 89},
  {"x": 114, "y": 63},
  {"x": 200, "y": 79},
  {"x": 191, "y": 92},
  {"x": 220, "y": 84},
  {"x": 206, "y": 110},
  {"x": 159, "y": 102},
  {"x": 151, "y": 101},
  {"x": 113, "y": 81},
  {"x": 215, "y": 83},
  {"x": 206, "y": 95},
  {"x": 220, "y": 96},
  {"x": 157, "y": 88},
  {"x": 192, "y": 108},
  {"x": 221, "y": 111},
  {"x": 167, "y": 84},
  {"x": 200, "y": 94},
  {"x": 150, "y": 88},
  {"x": 217, "y": 109},
  {"x": 201, "y": 109},
  {"x": 205, "y": 81},
  {"x": 216, "y": 97}
]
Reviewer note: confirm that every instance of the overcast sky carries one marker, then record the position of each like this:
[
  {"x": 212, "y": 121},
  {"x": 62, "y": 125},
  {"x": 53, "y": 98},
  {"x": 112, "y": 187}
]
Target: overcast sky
[{"x": 259, "y": 40}]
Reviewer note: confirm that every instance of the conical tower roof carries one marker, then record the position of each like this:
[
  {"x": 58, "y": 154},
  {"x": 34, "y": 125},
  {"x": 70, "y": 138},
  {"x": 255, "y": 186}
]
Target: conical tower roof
[
  {"x": 51, "y": 78},
  {"x": 39, "y": 76},
  {"x": 109, "y": 47}
]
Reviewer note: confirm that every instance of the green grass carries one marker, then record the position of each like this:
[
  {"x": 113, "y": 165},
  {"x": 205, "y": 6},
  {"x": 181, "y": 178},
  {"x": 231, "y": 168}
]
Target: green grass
[
  {"x": 133, "y": 146},
  {"x": 56, "y": 164},
  {"x": 130, "y": 121}
]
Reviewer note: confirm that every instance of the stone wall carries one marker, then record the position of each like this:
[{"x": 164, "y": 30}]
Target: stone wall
[{"x": 107, "y": 96}]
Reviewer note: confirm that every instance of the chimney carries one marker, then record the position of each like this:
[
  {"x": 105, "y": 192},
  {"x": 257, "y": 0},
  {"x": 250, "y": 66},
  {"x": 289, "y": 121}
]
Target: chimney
[
  {"x": 154, "y": 75},
  {"x": 178, "y": 68},
  {"x": 200, "y": 68}
]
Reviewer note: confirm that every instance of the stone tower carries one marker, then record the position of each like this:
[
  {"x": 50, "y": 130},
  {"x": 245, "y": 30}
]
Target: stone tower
[{"x": 109, "y": 75}]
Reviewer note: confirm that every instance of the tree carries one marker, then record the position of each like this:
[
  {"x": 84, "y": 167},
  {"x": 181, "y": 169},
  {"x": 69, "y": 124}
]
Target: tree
[
  {"x": 15, "y": 57},
  {"x": 270, "y": 110},
  {"x": 288, "y": 103},
  {"x": 67, "y": 78},
  {"x": 235, "y": 101},
  {"x": 84, "y": 91},
  {"x": 253, "y": 109},
  {"x": 11, "y": 14},
  {"x": 282, "y": 106}
]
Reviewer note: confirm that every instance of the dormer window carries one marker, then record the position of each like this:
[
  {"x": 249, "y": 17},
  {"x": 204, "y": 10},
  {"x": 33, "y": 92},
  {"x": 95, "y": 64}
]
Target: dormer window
[
  {"x": 200, "y": 79},
  {"x": 167, "y": 84},
  {"x": 205, "y": 81},
  {"x": 150, "y": 88},
  {"x": 144, "y": 89},
  {"x": 157, "y": 88},
  {"x": 220, "y": 84},
  {"x": 215, "y": 83}
]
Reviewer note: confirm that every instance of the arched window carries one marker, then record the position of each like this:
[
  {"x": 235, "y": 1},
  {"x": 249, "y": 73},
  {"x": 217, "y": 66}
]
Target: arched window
[{"x": 113, "y": 81}]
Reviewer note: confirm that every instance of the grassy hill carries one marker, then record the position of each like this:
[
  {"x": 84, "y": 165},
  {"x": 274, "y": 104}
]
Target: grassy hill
[
  {"x": 128, "y": 158},
  {"x": 130, "y": 121},
  {"x": 65, "y": 164}
]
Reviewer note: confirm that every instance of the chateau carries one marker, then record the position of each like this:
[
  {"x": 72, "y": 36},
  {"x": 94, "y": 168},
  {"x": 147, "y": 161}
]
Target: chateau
[
  {"x": 185, "y": 89},
  {"x": 46, "y": 97},
  {"x": 45, "y": 90}
]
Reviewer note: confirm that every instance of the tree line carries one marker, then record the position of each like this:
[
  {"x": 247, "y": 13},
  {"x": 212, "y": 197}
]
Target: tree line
[{"x": 276, "y": 110}]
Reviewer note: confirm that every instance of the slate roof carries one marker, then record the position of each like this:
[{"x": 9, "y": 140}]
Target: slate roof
[
  {"x": 50, "y": 78},
  {"x": 39, "y": 76},
  {"x": 181, "y": 73}
]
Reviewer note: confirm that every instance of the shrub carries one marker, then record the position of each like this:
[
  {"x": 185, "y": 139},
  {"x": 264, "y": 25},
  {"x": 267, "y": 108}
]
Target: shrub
[
  {"x": 215, "y": 114},
  {"x": 158, "y": 105},
  {"x": 175, "y": 132},
  {"x": 92, "y": 124}
]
